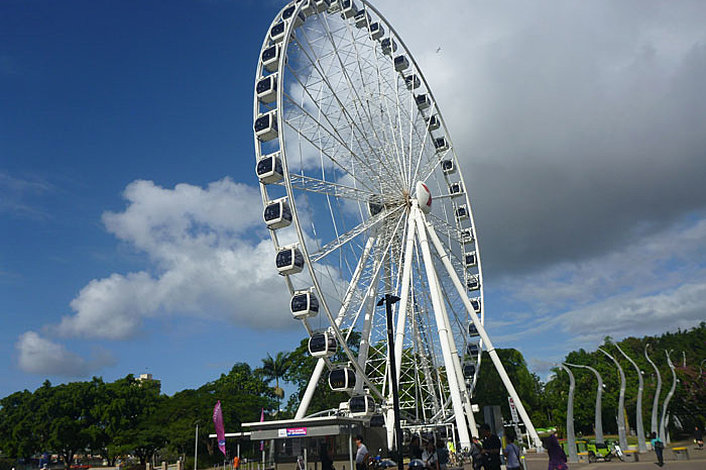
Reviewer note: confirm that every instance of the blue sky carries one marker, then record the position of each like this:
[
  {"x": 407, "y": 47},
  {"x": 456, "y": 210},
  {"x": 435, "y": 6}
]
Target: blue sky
[{"x": 579, "y": 126}]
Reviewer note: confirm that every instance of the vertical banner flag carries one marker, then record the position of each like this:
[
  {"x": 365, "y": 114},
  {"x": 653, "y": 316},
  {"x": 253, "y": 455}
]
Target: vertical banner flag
[
  {"x": 262, "y": 418},
  {"x": 218, "y": 423}
]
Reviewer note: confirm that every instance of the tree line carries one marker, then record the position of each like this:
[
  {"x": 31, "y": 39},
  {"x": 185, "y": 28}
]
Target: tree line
[{"x": 129, "y": 416}]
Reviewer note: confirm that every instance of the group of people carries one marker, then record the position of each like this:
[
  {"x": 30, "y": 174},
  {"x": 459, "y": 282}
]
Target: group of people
[{"x": 434, "y": 455}]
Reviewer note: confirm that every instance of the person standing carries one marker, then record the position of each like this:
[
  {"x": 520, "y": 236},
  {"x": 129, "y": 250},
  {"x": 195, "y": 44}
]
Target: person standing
[
  {"x": 430, "y": 457},
  {"x": 658, "y": 446},
  {"x": 557, "y": 457},
  {"x": 476, "y": 453},
  {"x": 415, "y": 450},
  {"x": 512, "y": 454},
  {"x": 442, "y": 454},
  {"x": 699, "y": 437},
  {"x": 491, "y": 449},
  {"x": 361, "y": 455}
]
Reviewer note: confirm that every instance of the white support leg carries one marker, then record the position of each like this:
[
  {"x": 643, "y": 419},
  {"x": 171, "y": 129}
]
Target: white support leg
[
  {"x": 400, "y": 324},
  {"x": 310, "y": 388},
  {"x": 444, "y": 333},
  {"x": 483, "y": 334}
]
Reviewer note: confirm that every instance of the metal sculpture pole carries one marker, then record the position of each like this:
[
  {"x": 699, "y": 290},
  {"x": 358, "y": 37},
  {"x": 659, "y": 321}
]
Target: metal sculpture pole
[
  {"x": 622, "y": 437},
  {"x": 599, "y": 412},
  {"x": 570, "y": 436},
  {"x": 654, "y": 425},
  {"x": 665, "y": 405},
  {"x": 641, "y": 446}
]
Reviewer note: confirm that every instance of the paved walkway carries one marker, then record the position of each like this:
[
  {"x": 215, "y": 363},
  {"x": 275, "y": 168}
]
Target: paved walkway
[{"x": 697, "y": 461}]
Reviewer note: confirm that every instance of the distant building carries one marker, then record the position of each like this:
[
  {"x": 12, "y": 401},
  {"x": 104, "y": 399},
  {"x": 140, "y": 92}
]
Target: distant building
[{"x": 149, "y": 378}]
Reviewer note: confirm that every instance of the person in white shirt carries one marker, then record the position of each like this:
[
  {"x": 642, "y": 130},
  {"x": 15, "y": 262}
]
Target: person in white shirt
[{"x": 430, "y": 457}]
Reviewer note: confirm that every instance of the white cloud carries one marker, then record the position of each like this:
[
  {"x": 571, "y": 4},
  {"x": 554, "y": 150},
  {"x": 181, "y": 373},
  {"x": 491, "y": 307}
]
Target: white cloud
[
  {"x": 39, "y": 355},
  {"x": 207, "y": 263},
  {"x": 657, "y": 284}
]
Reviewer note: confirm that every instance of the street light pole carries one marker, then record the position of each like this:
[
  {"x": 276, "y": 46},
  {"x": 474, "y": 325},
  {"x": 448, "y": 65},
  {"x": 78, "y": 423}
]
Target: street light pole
[
  {"x": 665, "y": 405},
  {"x": 598, "y": 425},
  {"x": 641, "y": 446},
  {"x": 654, "y": 424},
  {"x": 388, "y": 300},
  {"x": 622, "y": 436},
  {"x": 570, "y": 435}
]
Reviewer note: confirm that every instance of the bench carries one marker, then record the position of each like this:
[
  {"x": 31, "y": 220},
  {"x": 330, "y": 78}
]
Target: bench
[
  {"x": 680, "y": 453},
  {"x": 631, "y": 455},
  {"x": 583, "y": 457}
]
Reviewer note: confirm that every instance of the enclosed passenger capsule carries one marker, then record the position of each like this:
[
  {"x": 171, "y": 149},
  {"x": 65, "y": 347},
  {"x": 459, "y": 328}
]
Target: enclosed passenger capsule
[
  {"x": 389, "y": 46},
  {"x": 448, "y": 166},
  {"x": 288, "y": 15},
  {"x": 270, "y": 58},
  {"x": 277, "y": 214},
  {"x": 266, "y": 89},
  {"x": 322, "y": 344},
  {"x": 277, "y": 31},
  {"x": 320, "y": 5},
  {"x": 269, "y": 168},
  {"x": 441, "y": 144},
  {"x": 456, "y": 189},
  {"x": 401, "y": 63},
  {"x": 423, "y": 101},
  {"x": 412, "y": 81},
  {"x": 470, "y": 259},
  {"x": 473, "y": 283},
  {"x": 472, "y": 349},
  {"x": 475, "y": 303},
  {"x": 433, "y": 122},
  {"x": 376, "y": 31},
  {"x": 348, "y": 8},
  {"x": 289, "y": 261},
  {"x": 472, "y": 330},
  {"x": 361, "y": 406},
  {"x": 462, "y": 213},
  {"x": 341, "y": 379},
  {"x": 469, "y": 370},
  {"x": 304, "y": 304},
  {"x": 266, "y": 126},
  {"x": 467, "y": 235},
  {"x": 362, "y": 18}
]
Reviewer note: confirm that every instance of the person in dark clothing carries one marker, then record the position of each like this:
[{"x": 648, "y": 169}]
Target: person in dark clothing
[
  {"x": 557, "y": 457},
  {"x": 658, "y": 446},
  {"x": 699, "y": 437},
  {"x": 326, "y": 457},
  {"x": 491, "y": 449},
  {"x": 415, "y": 450}
]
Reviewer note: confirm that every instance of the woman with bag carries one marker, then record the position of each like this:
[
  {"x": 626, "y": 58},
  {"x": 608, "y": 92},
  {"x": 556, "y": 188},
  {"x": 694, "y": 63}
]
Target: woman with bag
[{"x": 658, "y": 446}]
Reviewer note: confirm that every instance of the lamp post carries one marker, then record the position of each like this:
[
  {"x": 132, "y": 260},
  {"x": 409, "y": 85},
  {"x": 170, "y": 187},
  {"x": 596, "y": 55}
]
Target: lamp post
[
  {"x": 641, "y": 446},
  {"x": 622, "y": 437},
  {"x": 598, "y": 425},
  {"x": 570, "y": 436},
  {"x": 665, "y": 405},
  {"x": 654, "y": 425},
  {"x": 388, "y": 300}
]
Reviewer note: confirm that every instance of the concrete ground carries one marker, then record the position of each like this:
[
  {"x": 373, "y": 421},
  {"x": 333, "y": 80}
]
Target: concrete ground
[{"x": 697, "y": 461}]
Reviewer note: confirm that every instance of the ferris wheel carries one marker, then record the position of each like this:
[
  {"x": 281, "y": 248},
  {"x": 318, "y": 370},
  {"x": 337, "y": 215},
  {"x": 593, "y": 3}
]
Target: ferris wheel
[{"x": 363, "y": 196}]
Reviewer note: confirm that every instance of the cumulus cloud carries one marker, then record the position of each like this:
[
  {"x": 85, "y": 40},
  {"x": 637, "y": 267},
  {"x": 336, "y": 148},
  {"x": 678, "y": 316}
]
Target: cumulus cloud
[
  {"x": 41, "y": 356},
  {"x": 206, "y": 256}
]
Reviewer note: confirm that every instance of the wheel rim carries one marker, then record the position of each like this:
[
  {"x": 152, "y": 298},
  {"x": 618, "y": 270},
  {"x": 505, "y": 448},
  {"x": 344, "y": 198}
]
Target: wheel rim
[{"x": 354, "y": 139}]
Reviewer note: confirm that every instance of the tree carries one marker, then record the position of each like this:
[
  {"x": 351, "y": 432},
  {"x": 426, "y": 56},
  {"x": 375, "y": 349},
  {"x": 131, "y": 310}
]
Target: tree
[{"x": 276, "y": 368}]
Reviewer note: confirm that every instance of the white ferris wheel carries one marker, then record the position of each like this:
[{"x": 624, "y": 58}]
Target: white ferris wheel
[{"x": 363, "y": 196}]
